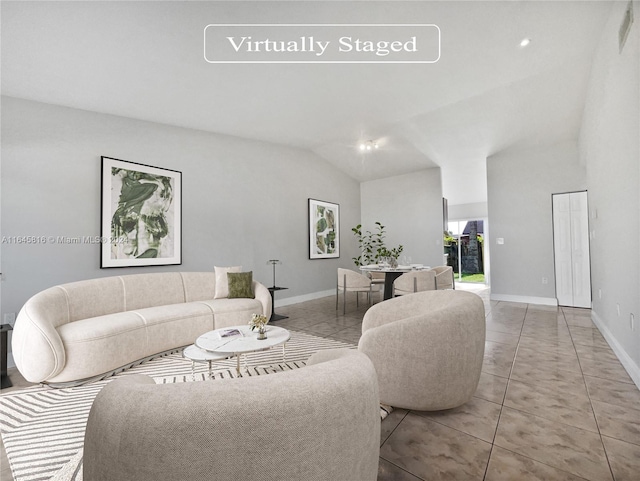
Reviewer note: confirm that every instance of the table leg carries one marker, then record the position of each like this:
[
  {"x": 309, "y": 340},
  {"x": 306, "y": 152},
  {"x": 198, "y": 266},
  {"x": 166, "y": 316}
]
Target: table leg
[
  {"x": 238, "y": 365},
  {"x": 193, "y": 371},
  {"x": 284, "y": 353},
  {"x": 389, "y": 277},
  {"x": 210, "y": 373}
]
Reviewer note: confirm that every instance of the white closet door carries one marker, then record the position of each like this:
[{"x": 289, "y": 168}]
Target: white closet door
[
  {"x": 580, "y": 250},
  {"x": 562, "y": 248},
  {"x": 571, "y": 249}
]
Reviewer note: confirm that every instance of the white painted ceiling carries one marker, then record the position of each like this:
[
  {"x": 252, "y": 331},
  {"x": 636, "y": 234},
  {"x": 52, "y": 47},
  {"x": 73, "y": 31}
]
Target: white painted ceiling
[{"x": 144, "y": 60}]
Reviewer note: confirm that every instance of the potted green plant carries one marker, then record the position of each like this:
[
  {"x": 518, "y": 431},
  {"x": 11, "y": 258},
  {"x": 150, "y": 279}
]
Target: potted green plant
[{"x": 372, "y": 248}]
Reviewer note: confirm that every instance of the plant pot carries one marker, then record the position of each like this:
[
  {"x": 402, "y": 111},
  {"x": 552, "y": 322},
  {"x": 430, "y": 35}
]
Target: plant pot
[{"x": 262, "y": 333}]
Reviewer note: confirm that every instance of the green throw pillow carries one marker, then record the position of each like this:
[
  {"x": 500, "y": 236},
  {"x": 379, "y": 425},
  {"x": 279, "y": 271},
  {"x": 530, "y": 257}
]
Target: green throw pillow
[{"x": 240, "y": 285}]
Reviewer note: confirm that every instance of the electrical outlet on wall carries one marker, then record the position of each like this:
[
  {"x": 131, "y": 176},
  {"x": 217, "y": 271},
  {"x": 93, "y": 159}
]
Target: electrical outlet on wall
[
  {"x": 599, "y": 293},
  {"x": 618, "y": 309},
  {"x": 545, "y": 280},
  {"x": 632, "y": 321}
]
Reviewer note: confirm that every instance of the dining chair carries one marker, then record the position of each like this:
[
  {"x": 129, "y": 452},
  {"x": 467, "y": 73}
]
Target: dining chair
[
  {"x": 351, "y": 281},
  {"x": 377, "y": 278},
  {"x": 444, "y": 277},
  {"x": 414, "y": 281}
]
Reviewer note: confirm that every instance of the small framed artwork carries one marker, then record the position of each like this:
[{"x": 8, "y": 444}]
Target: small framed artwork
[
  {"x": 141, "y": 215},
  {"x": 324, "y": 229}
]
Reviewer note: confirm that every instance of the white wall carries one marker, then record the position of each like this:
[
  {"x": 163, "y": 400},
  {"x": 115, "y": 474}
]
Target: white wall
[
  {"x": 520, "y": 185},
  {"x": 244, "y": 202},
  {"x": 473, "y": 211},
  {"x": 610, "y": 149},
  {"x": 410, "y": 207}
]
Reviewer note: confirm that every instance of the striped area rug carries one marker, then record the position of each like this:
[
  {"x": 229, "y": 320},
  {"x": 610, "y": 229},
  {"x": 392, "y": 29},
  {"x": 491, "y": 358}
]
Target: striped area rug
[{"x": 43, "y": 429}]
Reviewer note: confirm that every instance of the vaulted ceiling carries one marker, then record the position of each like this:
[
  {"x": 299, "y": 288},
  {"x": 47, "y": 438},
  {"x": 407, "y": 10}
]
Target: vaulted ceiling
[{"x": 486, "y": 94}]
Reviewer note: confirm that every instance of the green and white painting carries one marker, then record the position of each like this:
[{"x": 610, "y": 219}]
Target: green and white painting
[
  {"x": 324, "y": 229},
  {"x": 141, "y": 215}
]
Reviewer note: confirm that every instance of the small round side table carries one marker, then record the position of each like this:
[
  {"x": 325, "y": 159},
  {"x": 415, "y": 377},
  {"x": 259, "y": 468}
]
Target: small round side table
[{"x": 195, "y": 354}]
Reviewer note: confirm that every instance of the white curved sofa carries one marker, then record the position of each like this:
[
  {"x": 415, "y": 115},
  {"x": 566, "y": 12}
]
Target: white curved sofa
[
  {"x": 427, "y": 348},
  {"x": 75, "y": 332},
  {"x": 317, "y": 423}
]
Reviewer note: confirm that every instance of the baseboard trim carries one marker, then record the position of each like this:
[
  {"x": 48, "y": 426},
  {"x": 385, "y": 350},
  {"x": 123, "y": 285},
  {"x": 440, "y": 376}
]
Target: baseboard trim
[
  {"x": 545, "y": 301},
  {"x": 630, "y": 366},
  {"x": 287, "y": 301}
]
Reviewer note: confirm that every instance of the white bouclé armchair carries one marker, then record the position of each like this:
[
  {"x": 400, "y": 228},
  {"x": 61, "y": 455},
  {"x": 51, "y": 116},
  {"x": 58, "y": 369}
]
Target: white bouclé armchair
[
  {"x": 317, "y": 423},
  {"x": 427, "y": 348}
]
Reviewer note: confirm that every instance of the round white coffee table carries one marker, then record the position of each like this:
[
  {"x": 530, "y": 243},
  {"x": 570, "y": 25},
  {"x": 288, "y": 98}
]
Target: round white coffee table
[{"x": 242, "y": 344}]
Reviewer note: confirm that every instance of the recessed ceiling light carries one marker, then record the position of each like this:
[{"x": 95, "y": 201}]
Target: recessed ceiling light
[
  {"x": 525, "y": 42},
  {"x": 369, "y": 145}
]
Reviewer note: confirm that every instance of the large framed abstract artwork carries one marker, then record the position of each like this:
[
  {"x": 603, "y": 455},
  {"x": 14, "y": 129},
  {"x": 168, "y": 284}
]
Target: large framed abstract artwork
[
  {"x": 141, "y": 215},
  {"x": 324, "y": 229}
]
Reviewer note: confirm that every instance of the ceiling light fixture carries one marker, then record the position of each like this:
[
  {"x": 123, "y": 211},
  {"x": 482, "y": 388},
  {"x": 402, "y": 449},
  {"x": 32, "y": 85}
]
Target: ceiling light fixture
[
  {"x": 525, "y": 42},
  {"x": 368, "y": 145}
]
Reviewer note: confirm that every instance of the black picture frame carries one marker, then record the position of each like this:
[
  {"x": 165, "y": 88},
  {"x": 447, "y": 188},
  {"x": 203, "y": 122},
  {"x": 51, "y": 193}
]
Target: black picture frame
[{"x": 140, "y": 215}]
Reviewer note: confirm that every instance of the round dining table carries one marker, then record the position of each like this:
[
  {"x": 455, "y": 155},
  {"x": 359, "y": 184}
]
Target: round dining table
[{"x": 391, "y": 274}]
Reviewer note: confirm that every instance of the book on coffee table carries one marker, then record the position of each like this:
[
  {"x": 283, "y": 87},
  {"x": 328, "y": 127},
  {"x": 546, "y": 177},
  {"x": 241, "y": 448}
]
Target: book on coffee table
[{"x": 228, "y": 334}]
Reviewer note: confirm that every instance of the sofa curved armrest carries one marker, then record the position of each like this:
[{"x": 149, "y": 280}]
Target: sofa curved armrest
[
  {"x": 320, "y": 422},
  {"x": 262, "y": 294},
  {"x": 35, "y": 331}
]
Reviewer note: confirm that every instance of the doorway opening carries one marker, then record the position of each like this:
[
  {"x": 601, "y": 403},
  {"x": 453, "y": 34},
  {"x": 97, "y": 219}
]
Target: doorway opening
[{"x": 464, "y": 250}]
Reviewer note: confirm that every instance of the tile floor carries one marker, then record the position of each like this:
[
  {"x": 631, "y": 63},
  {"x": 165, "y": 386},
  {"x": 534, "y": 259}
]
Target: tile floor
[{"x": 553, "y": 403}]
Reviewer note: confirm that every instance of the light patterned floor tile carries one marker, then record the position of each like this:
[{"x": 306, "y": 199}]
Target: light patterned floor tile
[
  {"x": 553, "y": 400},
  {"x": 430, "y": 450},
  {"x": 605, "y": 369},
  {"x": 526, "y": 371},
  {"x": 507, "y": 466},
  {"x": 502, "y": 337},
  {"x": 498, "y": 358},
  {"x": 390, "y": 472},
  {"x": 624, "y": 459},
  {"x": 617, "y": 393},
  {"x": 564, "y": 447},
  {"x": 618, "y": 422},
  {"x": 477, "y": 417},
  {"x": 491, "y": 388}
]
